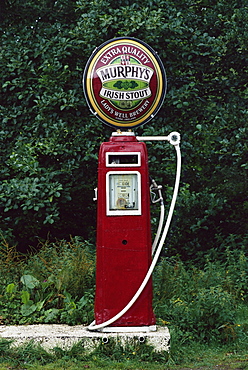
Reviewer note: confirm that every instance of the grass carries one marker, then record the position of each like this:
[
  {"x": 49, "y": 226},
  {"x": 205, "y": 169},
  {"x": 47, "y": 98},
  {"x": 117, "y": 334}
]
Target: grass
[{"x": 194, "y": 356}]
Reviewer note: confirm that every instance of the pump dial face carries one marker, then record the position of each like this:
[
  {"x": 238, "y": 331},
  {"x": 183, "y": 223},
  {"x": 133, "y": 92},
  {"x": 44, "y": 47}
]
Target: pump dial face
[
  {"x": 124, "y": 193},
  {"x": 124, "y": 82}
]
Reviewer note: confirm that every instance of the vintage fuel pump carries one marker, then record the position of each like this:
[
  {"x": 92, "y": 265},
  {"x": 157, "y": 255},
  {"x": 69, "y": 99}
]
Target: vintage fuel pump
[{"x": 125, "y": 84}]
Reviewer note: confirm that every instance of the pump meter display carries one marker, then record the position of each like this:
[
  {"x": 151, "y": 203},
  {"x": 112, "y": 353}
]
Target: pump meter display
[{"x": 123, "y": 193}]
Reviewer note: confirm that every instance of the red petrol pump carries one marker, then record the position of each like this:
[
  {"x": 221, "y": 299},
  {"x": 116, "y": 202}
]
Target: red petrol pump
[
  {"x": 125, "y": 84},
  {"x": 123, "y": 231}
]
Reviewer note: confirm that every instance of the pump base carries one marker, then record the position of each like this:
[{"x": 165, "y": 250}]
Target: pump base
[{"x": 128, "y": 329}]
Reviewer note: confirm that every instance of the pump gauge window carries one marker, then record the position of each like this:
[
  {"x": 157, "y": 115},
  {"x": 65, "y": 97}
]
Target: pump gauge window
[{"x": 123, "y": 193}]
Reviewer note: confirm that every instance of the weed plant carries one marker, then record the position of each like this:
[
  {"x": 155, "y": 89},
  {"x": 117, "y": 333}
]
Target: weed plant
[
  {"x": 53, "y": 285},
  {"x": 69, "y": 265},
  {"x": 208, "y": 304},
  {"x": 10, "y": 264}
]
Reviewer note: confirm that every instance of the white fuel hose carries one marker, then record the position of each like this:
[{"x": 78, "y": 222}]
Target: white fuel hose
[
  {"x": 174, "y": 139},
  {"x": 160, "y": 225}
]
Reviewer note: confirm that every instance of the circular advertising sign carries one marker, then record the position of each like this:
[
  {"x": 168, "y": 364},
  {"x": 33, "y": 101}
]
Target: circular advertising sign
[{"x": 124, "y": 82}]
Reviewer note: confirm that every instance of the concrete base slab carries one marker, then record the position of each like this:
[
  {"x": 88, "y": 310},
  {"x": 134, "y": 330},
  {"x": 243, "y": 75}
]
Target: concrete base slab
[{"x": 64, "y": 336}]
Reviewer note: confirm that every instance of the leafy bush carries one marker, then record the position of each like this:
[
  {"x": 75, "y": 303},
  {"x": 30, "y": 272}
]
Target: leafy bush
[
  {"x": 211, "y": 310},
  {"x": 68, "y": 265},
  {"x": 54, "y": 285},
  {"x": 49, "y": 140},
  {"x": 203, "y": 303}
]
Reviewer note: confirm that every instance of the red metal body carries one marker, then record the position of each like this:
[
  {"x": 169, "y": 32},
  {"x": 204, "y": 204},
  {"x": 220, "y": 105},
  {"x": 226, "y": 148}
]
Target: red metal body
[{"x": 123, "y": 236}]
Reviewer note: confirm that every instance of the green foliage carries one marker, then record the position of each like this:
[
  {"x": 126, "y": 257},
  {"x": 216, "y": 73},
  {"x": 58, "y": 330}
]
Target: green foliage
[
  {"x": 195, "y": 355},
  {"x": 27, "y": 353},
  {"x": 131, "y": 349},
  {"x": 110, "y": 355},
  {"x": 51, "y": 286},
  {"x": 56, "y": 285},
  {"x": 203, "y": 304},
  {"x": 48, "y": 166},
  {"x": 49, "y": 140},
  {"x": 210, "y": 311}
]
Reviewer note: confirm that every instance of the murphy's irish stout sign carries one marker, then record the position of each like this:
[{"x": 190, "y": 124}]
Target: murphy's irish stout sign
[{"x": 124, "y": 82}]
